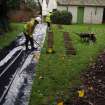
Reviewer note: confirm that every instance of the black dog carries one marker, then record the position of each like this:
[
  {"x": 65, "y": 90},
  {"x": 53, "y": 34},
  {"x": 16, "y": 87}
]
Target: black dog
[{"x": 87, "y": 37}]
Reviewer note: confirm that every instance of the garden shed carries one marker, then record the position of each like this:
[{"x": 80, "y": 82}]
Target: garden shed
[{"x": 84, "y": 11}]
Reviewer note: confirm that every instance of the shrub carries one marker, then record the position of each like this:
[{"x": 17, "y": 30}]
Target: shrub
[
  {"x": 13, "y": 4},
  {"x": 61, "y": 17}
]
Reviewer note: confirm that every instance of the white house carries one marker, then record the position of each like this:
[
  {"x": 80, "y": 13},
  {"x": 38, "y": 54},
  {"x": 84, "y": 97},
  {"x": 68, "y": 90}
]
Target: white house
[{"x": 84, "y": 11}]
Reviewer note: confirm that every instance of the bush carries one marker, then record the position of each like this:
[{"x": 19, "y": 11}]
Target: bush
[
  {"x": 13, "y": 4},
  {"x": 61, "y": 17}
]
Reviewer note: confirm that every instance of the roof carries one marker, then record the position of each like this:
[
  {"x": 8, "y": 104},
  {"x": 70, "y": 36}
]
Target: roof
[{"x": 82, "y": 2}]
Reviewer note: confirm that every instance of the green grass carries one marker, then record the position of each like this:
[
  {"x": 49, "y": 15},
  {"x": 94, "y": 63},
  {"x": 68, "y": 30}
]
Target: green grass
[
  {"x": 60, "y": 72},
  {"x": 8, "y": 37}
]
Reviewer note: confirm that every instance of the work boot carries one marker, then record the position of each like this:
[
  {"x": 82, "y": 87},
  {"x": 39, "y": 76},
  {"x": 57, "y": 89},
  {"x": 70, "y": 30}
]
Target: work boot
[
  {"x": 27, "y": 49},
  {"x": 34, "y": 49}
]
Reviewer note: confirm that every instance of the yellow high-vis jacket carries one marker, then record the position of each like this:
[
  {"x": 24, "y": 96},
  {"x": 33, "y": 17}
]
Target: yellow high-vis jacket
[
  {"x": 48, "y": 18},
  {"x": 29, "y": 28}
]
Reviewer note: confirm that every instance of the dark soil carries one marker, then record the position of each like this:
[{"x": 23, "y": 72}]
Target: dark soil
[
  {"x": 50, "y": 40},
  {"x": 93, "y": 83},
  {"x": 68, "y": 44}
]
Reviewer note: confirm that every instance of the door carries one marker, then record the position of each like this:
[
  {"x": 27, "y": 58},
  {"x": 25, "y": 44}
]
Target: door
[
  {"x": 80, "y": 18},
  {"x": 104, "y": 16}
]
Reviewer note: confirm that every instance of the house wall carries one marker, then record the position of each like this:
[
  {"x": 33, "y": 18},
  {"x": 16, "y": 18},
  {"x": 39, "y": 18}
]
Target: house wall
[
  {"x": 73, "y": 10},
  {"x": 61, "y": 8},
  {"x": 93, "y": 15}
]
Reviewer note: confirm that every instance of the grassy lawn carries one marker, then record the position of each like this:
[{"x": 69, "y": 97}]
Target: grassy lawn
[
  {"x": 56, "y": 73},
  {"x": 10, "y": 36}
]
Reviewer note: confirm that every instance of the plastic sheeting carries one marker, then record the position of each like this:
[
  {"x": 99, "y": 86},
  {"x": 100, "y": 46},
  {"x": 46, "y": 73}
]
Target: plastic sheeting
[{"x": 20, "y": 89}]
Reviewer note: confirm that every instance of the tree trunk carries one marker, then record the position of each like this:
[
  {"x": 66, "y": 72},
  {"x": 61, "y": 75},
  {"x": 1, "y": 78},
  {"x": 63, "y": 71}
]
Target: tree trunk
[{"x": 4, "y": 25}]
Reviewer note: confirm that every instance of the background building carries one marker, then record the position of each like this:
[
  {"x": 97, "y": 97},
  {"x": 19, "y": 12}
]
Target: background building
[{"x": 84, "y": 11}]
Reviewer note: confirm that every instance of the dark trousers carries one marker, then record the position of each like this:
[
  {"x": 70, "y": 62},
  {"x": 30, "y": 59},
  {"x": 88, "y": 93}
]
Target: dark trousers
[
  {"x": 48, "y": 24},
  {"x": 29, "y": 39}
]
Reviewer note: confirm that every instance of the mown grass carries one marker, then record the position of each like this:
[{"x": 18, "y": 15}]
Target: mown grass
[
  {"x": 8, "y": 37},
  {"x": 56, "y": 73}
]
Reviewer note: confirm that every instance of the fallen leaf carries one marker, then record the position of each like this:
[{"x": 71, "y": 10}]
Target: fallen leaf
[
  {"x": 60, "y": 103},
  {"x": 81, "y": 93},
  {"x": 90, "y": 88},
  {"x": 40, "y": 77}
]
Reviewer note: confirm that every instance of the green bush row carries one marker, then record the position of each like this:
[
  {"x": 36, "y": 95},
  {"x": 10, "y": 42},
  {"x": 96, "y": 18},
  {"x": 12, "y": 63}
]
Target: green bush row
[{"x": 61, "y": 17}]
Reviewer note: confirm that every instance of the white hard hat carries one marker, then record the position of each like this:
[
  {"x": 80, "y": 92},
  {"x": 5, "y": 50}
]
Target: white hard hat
[{"x": 38, "y": 19}]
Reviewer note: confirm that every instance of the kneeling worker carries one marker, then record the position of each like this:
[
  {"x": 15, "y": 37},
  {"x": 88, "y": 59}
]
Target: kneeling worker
[
  {"x": 48, "y": 20},
  {"x": 29, "y": 28}
]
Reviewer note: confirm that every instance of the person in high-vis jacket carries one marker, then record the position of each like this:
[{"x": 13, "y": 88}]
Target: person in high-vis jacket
[
  {"x": 48, "y": 20},
  {"x": 29, "y": 28}
]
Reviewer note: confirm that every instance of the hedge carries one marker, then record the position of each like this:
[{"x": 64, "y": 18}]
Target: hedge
[{"x": 61, "y": 17}]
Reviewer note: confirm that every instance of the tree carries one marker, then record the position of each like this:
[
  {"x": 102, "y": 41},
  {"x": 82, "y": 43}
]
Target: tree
[
  {"x": 4, "y": 25},
  {"x": 14, "y": 4},
  {"x": 31, "y": 3}
]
